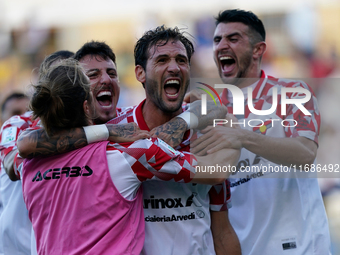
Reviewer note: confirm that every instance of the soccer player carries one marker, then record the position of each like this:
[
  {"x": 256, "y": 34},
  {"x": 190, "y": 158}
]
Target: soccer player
[
  {"x": 178, "y": 213},
  {"x": 100, "y": 64},
  {"x": 15, "y": 225},
  {"x": 14, "y": 104},
  {"x": 273, "y": 213},
  {"x": 89, "y": 199},
  {"x": 97, "y": 55},
  {"x": 162, "y": 59}
]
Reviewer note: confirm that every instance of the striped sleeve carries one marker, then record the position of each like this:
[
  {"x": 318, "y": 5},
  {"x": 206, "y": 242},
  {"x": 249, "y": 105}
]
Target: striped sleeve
[
  {"x": 220, "y": 197},
  {"x": 153, "y": 159},
  {"x": 10, "y": 132}
]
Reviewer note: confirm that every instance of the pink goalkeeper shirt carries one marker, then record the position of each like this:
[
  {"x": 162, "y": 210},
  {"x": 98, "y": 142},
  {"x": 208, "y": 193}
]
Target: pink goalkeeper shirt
[
  {"x": 76, "y": 209},
  {"x": 76, "y": 202}
]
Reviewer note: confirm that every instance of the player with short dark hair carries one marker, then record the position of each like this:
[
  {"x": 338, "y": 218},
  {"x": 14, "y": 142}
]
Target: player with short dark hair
[
  {"x": 100, "y": 66},
  {"x": 15, "y": 104},
  {"x": 94, "y": 189},
  {"x": 274, "y": 212},
  {"x": 166, "y": 77}
]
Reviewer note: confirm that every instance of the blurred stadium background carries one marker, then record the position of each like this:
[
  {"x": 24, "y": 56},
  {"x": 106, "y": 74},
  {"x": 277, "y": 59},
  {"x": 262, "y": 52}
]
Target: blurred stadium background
[{"x": 302, "y": 35}]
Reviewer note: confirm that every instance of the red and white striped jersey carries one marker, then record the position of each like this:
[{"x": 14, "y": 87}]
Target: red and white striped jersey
[
  {"x": 10, "y": 132},
  {"x": 130, "y": 164},
  {"x": 14, "y": 216}
]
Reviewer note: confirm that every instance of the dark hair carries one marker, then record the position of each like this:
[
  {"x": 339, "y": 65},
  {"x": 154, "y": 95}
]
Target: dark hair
[
  {"x": 59, "y": 96},
  {"x": 246, "y": 17},
  {"x": 50, "y": 59},
  {"x": 15, "y": 95},
  {"x": 153, "y": 37},
  {"x": 95, "y": 48}
]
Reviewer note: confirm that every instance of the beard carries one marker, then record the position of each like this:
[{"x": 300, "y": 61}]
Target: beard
[
  {"x": 154, "y": 92},
  {"x": 241, "y": 75}
]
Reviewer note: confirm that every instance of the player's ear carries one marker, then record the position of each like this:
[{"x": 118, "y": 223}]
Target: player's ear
[
  {"x": 140, "y": 73},
  {"x": 259, "y": 50},
  {"x": 86, "y": 107},
  {"x": 87, "y": 110}
]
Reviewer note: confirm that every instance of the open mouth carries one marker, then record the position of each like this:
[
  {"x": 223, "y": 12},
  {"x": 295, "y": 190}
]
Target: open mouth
[
  {"x": 104, "y": 98},
  {"x": 227, "y": 63},
  {"x": 171, "y": 88}
]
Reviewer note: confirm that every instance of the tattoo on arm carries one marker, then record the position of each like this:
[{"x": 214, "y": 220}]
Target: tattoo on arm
[
  {"x": 128, "y": 132},
  {"x": 122, "y": 131},
  {"x": 38, "y": 143},
  {"x": 171, "y": 132}
]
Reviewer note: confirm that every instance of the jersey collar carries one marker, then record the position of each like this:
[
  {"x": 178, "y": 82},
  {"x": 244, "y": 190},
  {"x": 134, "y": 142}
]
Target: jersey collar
[
  {"x": 138, "y": 116},
  {"x": 139, "y": 119}
]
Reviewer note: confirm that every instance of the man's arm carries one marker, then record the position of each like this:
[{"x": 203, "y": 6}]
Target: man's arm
[
  {"x": 173, "y": 131},
  {"x": 298, "y": 147},
  {"x": 10, "y": 131},
  {"x": 225, "y": 239},
  {"x": 156, "y": 160},
  {"x": 33, "y": 143},
  {"x": 11, "y": 163},
  {"x": 284, "y": 150},
  {"x": 192, "y": 96}
]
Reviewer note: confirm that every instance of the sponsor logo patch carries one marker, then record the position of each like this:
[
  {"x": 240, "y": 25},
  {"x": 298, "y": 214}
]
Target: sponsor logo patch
[
  {"x": 65, "y": 172},
  {"x": 9, "y": 135}
]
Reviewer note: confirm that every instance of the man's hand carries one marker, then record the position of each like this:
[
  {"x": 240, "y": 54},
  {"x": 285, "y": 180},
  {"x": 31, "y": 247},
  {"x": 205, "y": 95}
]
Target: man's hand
[
  {"x": 171, "y": 132},
  {"x": 213, "y": 112},
  {"x": 218, "y": 138},
  {"x": 128, "y": 132},
  {"x": 192, "y": 96},
  {"x": 279, "y": 150}
]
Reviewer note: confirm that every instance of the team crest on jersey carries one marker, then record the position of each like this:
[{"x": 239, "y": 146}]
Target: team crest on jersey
[
  {"x": 161, "y": 142},
  {"x": 263, "y": 129},
  {"x": 9, "y": 135}
]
